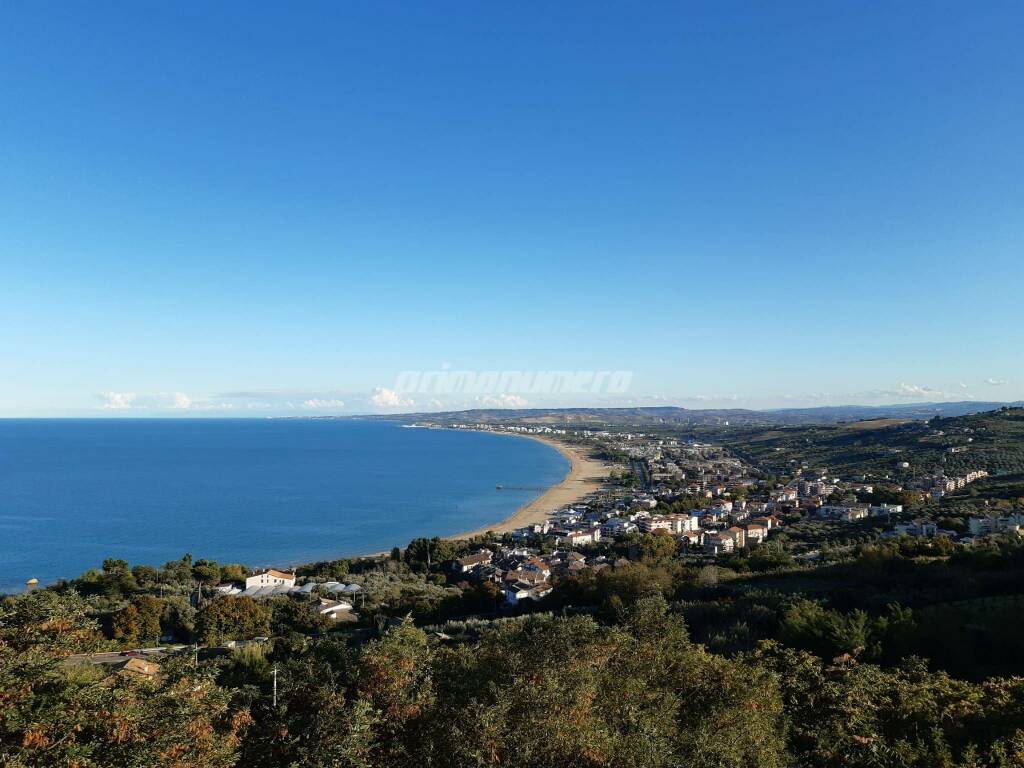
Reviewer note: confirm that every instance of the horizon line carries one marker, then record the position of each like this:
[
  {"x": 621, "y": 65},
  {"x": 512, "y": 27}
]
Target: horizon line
[{"x": 397, "y": 415}]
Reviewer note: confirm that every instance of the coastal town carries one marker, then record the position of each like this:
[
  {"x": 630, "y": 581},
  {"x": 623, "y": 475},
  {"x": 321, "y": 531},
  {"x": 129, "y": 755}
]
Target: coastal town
[
  {"x": 735, "y": 555},
  {"x": 512, "y": 385},
  {"x": 701, "y": 503},
  {"x": 708, "y": 503}
]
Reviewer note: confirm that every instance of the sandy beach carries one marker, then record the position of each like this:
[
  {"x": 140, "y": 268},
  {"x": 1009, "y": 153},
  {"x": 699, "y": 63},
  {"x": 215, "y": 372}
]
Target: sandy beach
[{"x": 584, "y": 477}]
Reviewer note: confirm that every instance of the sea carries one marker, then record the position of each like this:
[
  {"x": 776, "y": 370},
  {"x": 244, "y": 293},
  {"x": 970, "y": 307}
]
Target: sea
[{"x": 263, "y": 492}]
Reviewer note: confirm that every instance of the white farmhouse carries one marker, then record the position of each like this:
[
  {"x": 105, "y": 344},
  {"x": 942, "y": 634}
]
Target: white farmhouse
[{"x": 271, "y": 578}]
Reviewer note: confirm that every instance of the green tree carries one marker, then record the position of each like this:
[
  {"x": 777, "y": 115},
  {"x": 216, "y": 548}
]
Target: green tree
[
  {"x": 318, "y": 722},
  {"x": 179, "y": 618},
  {"x": 233, "y": 572},
  {"x": 395, "y": 682},
  {"x": 138, "y": 622},
  {"x": 146, "y": 576},
  {"x": 657, "y": 548},
  {"x": 206, "y": 572},
  {"x": 150, "y": 610},
  {"x": 423, "y": 553},
  {"x": 57, "y": 714},
  {"x": 769, "y": 557},
  {"x": 292, "y": 615},
  {"x": 126, "y": 625},
  {"x": 553, "y": 692},
  {"x": 118, "y": 578},
  {"x": 178, "y": 571},
  {"x": 232, "y": 618}
]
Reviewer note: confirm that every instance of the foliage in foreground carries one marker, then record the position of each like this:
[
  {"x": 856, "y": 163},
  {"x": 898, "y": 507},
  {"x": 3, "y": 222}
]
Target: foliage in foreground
[
  {"x": 54, "y": 714},
  {"x": 537, "y": 691}
]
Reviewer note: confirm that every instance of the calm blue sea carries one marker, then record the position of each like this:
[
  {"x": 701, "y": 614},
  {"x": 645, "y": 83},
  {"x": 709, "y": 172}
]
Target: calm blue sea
[{"x": 259, "y": 492}]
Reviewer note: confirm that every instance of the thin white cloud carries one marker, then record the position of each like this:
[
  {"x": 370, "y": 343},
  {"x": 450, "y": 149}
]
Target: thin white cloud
[
  {"x": 913, "y": 392},
  {"x": 318, "y": 402},
  {"x": 995, "y": 382},
  {"x": 388, "y": 398},
  {"x": 157, "y": 402},
  {"x": 117, "y": 401},
  {"x": 710, "y": 399},
  {"x": 211, "y": 406},
  {"x": 503, "y": 401}
]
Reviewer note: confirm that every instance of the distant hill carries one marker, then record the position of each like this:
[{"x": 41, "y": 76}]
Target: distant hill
[
  {"x": 670, "y": 416},
  {"x": 916, "y": 411},
  {"x": 954, "y": 445}
]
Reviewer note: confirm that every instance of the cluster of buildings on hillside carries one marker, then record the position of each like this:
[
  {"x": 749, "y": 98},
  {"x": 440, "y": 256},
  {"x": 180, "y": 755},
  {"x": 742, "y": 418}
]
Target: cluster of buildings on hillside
[
  {"x": 857, "y": 511},
  {"x": 940, "y": 485},
  {"x": 275, "y": 583},
  {"x": 666, "y": 471},
  {"x": 671, "y": 470},
  {"x": 518, "y": 429},
  {"x": 720, "y": 528},
  {"x": 521, "y": 572},
  {"x": 995, "y": 524},
  {"x": 978, "y": 527}
]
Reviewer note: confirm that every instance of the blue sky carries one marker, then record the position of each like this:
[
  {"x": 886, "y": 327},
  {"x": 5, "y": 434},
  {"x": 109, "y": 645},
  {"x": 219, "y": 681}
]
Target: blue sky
[{"x": 240, "y": 208}]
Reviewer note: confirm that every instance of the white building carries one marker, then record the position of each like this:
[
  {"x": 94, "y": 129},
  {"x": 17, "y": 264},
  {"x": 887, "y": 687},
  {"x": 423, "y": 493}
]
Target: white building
[
  {"x": 847, "y": 513},
  {"x": 522, "y": 591},
  {"x": 333, "y": 609},
  {"x": 917, "y": 528},
  {"x": 658, "y": 523},
  {"x": 884, "y": 510},
  {"x": 756, "y": 533},
  {"x": 470, "y": 563},
  {"x": 718, "y": 544},
  {"x": 578, "y": 537},
  {"x": 617, "y": 526},
  {"x": 982, "y": 526},
  {"x": 694, "y": 538},
  {"x": 271, "y": 578}
]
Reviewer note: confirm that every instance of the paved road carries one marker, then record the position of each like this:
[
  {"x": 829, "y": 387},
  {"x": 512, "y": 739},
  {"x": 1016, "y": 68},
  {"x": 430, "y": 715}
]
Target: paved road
[
  {"x": 113, "y": 657},
  {"x": 640, "y": 470}
]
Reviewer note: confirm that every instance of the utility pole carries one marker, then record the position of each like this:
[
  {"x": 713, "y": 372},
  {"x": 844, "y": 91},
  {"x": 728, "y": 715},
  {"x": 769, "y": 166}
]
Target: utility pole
[{"x": 275, "y": 686}]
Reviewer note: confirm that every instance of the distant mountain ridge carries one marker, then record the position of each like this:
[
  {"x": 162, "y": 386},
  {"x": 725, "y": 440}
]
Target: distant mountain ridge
[{"x": 673, "y": 415}]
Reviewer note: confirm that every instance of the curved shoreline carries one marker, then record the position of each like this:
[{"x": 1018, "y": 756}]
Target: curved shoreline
[{"x": 585, "y": 476}]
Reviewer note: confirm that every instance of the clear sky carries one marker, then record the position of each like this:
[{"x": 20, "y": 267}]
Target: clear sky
[{"x": 270, "y": 208}]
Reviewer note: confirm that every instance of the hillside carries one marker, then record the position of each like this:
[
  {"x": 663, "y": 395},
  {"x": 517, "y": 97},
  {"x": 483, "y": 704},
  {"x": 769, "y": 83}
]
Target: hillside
[
  {"x": 671, "y": 416},
  {"x": 993, "y": 441}
]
